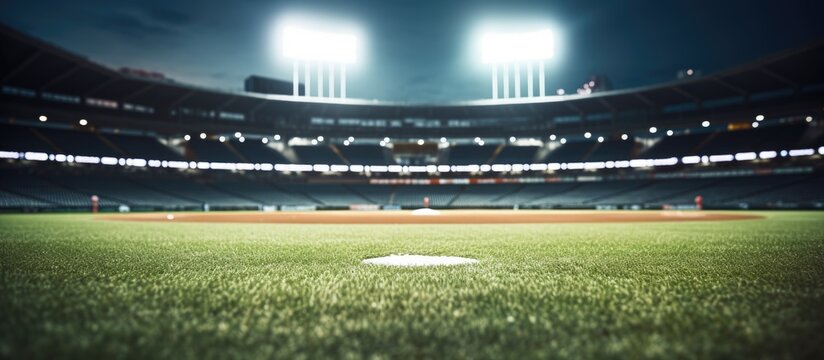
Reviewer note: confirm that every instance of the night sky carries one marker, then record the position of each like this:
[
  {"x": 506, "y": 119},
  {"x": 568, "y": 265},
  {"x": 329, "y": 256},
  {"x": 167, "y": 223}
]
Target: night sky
[{"x": 418, "y": 50}]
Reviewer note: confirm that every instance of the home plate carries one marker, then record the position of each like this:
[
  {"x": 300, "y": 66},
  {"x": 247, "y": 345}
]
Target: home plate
[
  {"x": 419, "y": 260},
  {"x": 425, "y": 212}
]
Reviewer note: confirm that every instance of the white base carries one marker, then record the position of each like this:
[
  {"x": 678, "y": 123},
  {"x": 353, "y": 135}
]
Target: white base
[
  {"x": 419, "y": 260},
  {"x": 425, "y": 212}
]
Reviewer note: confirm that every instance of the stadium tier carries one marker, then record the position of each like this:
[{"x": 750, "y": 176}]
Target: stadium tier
[
  {"x": 739, "y": 138},
  {"x": 169, "y": 192}
]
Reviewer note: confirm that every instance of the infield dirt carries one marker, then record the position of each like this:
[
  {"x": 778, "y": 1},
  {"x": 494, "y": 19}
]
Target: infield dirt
[{"x": 446, "y": 217}]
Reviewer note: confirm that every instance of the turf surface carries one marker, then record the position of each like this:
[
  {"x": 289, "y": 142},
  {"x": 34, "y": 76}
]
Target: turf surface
[{"x": 75, "y": 287}]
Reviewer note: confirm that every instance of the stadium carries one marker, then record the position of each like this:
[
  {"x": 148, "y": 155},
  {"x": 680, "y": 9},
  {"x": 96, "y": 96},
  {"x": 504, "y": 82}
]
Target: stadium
[{"x": 145, "y": 217}]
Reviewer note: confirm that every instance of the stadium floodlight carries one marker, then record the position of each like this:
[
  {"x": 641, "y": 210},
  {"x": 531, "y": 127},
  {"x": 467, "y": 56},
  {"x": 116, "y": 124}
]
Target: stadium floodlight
[
  {"x": 83, "y": 122},
  {"x": 755, "y": 124},
  {"x": 600, "y": 139},
  {"x": 264, "y": 140},
  {"x": 587, "y": 134},
  {"x": 705, "y": 123},
  {"x": 222, "y": 138},
  {"x": 277, "y": 137},
  {"x": 203, "y": 135},
  {"x": 653, "y": 130},
  {"x": 809, "y": 119},
  {"x": 670, "y": 132},
  {"x": 759, "y": 117},
  {"x": 509, "y": 48},
  {"x": 515, "y": 49},
  {"x": 187, "y": 137},
  {"x": 624, "y": 136},
  {"x": 552, "y": 137},
  {"x": 302, "y": 43},
  {"x": 42, "y": 118}
]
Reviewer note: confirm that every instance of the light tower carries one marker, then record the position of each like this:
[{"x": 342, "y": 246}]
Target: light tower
[
  {"x": 319, "y": 49},
  {"x": 503, "y": 51}
]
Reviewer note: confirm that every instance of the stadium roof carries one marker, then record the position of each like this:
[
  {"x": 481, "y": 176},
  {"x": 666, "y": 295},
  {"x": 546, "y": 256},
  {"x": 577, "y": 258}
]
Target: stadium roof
[{"x": 29, "y": 63}]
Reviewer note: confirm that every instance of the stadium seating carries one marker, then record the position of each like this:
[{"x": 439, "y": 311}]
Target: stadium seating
[
  {"x": 612, "y": 150},
  {"x": 257, "y": 152},
  {"x": 21, "y": 138},
  {"x": 586, "y": 194},
  {"x": 326, "y": 194},
  {"x": 675, "y": 146},
  {"x": 212, "y": 150},
  {"x": 482, "y": 195},
  {"x": 200, "y": 193},
  {"x": 411, "y": 196},
  {"x": 376, "y": 194},
  {"x": 79, "y": 143},
  {"x": 516, "y": 155},
  {"x": 470, "y": 154},
  {"x": 317, "y": 154},
  {"x": 571, "y": 152},
  {"x": 263, "y": 193},
  {"x": 144, "y": 147},
  {"x": 365, "y": 154},
  {"x": 49, "y": 193},
  {"x": 13, "y": 201},
  {"x": 126, "y": 192}
]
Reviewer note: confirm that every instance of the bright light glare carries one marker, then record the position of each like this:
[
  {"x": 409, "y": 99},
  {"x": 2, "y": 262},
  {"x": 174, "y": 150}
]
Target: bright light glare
[
  {"x": 624, "y": 136},
  {"x": 705, "y": 123},
  {"x": 587, "y": 134},
  {"x": 310, "y": 45},
  {"x": 505, "y": 48},
  {"x": 83, "y": 122},
  {"x": 653, "y": 130}
]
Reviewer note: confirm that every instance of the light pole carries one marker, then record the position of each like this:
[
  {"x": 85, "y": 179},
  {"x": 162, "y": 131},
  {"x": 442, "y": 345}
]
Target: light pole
[{"x": 503, "y": 50}]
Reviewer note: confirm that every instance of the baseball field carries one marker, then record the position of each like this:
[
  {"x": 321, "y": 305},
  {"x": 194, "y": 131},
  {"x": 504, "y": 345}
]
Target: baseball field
[{"x": 621, "y": 284}]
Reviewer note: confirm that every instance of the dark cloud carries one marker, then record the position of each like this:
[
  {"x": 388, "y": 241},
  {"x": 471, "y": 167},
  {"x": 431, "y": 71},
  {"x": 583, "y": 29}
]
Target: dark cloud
[
  {"x": 134, "y": 26},
  {"x": 170, "y": 17},
  {"x": 417, "y": 50}
]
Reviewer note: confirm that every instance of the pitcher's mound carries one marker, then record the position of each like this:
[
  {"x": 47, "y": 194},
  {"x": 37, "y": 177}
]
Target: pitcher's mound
[{"x": 419, "y": 260}]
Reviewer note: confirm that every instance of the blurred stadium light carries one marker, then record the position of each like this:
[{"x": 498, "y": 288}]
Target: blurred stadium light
[
  {"x": 331, "y": 49},
  {"x": 515, "y": 49}
]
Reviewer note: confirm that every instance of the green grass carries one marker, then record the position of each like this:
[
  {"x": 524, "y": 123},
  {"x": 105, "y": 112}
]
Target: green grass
[{"x": 75, "y": 287}]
